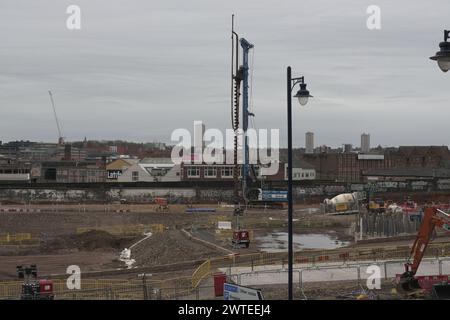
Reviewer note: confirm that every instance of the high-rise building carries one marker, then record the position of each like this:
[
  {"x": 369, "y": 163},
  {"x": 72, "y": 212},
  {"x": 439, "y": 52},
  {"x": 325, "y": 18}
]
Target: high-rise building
[
  {"x": 365, "y": 143},
  {"x": 199, "y": 142},
  {"x": 309, "y": 142}
]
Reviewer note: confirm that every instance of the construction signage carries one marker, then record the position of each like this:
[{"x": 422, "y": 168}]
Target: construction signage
[{"x": 233, "y": 291}]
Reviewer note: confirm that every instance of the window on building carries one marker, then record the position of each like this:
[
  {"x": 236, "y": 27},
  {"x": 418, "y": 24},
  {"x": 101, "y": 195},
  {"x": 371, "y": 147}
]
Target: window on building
[
  {"x": 50, "y": 174},
  {"x": 210, "y": 172},
  {"x": 227, "y": 172},
  {"x": 158, "y": 172},
  {"x": 193, "y": 172},
  {"x": 135, "y": 176}
]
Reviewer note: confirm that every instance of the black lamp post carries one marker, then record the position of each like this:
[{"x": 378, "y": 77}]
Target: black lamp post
[
  {"x": 302, "y": 96},
  {"x": 442, "y": 57}
]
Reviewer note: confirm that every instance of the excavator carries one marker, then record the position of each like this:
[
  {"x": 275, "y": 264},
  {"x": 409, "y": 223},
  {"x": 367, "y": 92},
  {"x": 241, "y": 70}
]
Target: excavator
[{"x": 434, "y": 217}]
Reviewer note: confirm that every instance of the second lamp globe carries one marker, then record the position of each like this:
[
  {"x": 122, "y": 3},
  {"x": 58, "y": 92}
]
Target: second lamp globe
[
  {"x": 303, "y": 94},
  {"x": 442, "y": 57}
]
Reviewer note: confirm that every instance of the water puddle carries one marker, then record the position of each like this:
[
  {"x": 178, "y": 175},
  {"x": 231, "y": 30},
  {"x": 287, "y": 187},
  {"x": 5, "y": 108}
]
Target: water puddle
[
  {"x": 277, "y": 242},
  {"x": 308, "y": 210}
]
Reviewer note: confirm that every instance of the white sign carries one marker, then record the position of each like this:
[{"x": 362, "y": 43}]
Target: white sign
[
  {"x": 225, "y": 225},
  {"x": 232, "y": 291}
]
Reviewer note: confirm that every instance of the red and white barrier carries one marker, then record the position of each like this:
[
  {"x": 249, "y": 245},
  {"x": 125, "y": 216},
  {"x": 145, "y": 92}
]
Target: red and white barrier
[{"x": 19, "y": 210}]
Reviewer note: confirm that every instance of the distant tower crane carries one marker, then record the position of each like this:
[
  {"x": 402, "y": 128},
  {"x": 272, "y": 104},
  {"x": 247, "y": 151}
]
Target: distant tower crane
[{"x": 60, "y": 137}]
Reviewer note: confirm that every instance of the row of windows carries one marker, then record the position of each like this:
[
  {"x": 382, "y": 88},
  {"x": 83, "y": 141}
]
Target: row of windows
[
  {"x": 209, "y": 172},
  {"x": 19, "y": 171},
  {"x": 82, "y": 173},
  {"x": 304, "y": 175}
]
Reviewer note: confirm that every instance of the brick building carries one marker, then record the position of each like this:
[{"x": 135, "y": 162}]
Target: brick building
[
  {"x": 71, "y": 172},
  {"x": 325, "y": 164},
  {"x": 349, "y": 166}
]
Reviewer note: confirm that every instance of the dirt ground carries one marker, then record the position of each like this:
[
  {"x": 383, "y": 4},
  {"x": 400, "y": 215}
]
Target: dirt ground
[
  {"x": 58, "y": 244},
  {"x": 176, "y": 248}
]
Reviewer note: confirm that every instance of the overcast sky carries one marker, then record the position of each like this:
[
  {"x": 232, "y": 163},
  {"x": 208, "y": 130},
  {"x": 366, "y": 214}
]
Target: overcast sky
[{"x": 138, "y": 69}]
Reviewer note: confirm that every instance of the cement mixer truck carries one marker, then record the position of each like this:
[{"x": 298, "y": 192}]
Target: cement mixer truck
[{"x": 344, "y": 203}]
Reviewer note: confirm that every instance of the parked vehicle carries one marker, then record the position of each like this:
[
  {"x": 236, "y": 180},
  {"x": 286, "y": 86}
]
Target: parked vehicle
[
  {"x": 32, "y": 288},
  {"x": 162, "y": 204},
  {"x": 241, "y": 238}
]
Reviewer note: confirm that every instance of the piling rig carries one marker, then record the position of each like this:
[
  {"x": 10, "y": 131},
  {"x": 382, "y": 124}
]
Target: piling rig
[{"x": 239, "y": 76}]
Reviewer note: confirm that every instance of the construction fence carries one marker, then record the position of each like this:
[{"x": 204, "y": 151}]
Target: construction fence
[
  {"x": 137, "y": 292},
  {"x": 343, "y": 257},
  {"x": 196, "y": 286},
  {"x": 341, "y": 281},
  {"x": 93, "y": 289},
  {"x": 336, "y": 255},
  {"x": 389, "y": 224},
  {"x": 353, "y": 274}
]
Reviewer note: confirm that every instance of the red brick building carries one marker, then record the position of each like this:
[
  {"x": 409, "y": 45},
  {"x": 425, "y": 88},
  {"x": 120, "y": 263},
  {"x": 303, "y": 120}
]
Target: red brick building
[{"x": 349, "y": 166}]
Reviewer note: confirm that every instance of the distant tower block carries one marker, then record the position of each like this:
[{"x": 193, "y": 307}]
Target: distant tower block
[
  {"x": 199, "y": 143},
  {"x": 365, "y": 143},
  {"x": 309, "y": 142}
]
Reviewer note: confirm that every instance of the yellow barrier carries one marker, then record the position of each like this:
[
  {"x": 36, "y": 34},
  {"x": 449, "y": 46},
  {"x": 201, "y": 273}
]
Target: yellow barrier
[
  {"x": 201, "y": 272},
  {"x": 17, "y": 238}
]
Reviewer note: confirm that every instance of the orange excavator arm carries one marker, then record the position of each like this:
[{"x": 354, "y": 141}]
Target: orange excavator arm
[{"x": 430, "y": 221}]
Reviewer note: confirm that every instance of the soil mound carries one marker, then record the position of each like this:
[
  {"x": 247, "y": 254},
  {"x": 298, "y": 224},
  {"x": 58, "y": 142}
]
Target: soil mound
[
  {"x": 88, "y": 241},
  {"x": 169, "y": 247}
]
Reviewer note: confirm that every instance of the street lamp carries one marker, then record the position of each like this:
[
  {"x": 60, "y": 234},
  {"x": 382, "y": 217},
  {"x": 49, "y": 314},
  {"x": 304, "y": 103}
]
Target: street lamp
[
  {"x": 443, "y": 55},
  {"x": 303, "y": 96}
]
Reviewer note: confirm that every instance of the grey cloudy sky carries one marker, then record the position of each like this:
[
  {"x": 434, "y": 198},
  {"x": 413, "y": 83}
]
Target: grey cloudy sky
[{"x": 139, "y": 69}]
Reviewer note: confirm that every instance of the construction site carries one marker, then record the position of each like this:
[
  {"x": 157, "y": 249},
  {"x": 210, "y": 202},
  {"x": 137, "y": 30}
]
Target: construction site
[
  {"x": 76, "y": 229},
  {"x": 181, "y": 249}
]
